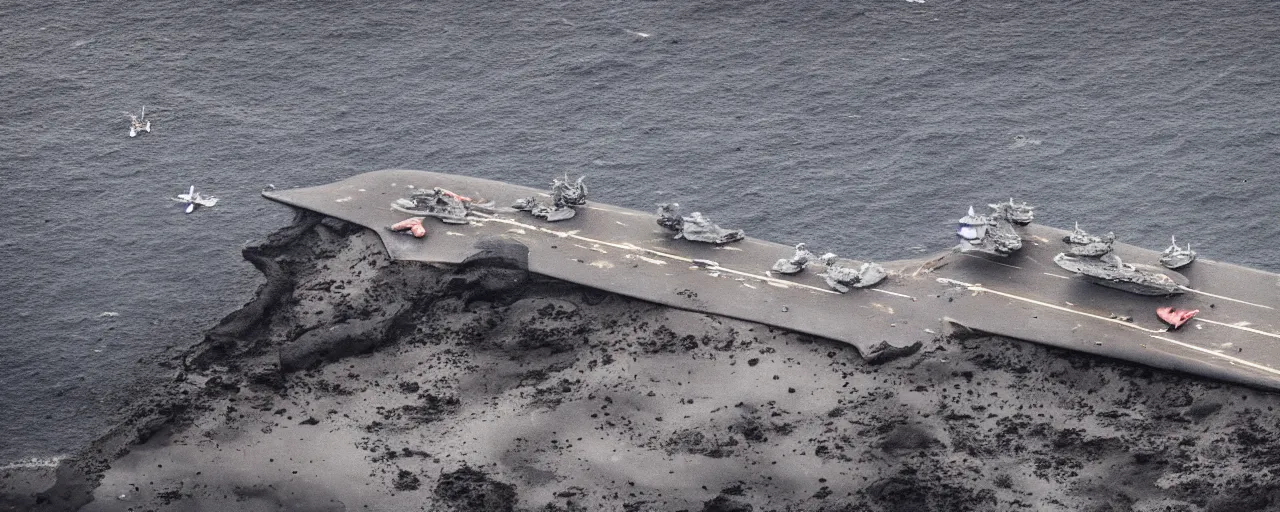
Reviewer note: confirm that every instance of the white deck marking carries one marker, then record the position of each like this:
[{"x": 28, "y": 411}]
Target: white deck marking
[
  {"x": 629, "y": 213},
  {"x": 1241, "y": 327},
  {"x": 592, "y": 248},
  {"x": 980, "y": 288},
  {"x": 629, "y": 246},
  {"x": 453, "y": 233},
  {"x": 1055, "y": 275},
  {"x": 650, "y": 260},
  {"x": 990, "y": 261},
  {"x": 1250, "y": 364},
  {"x": 769, "y": 279},
  {"x": 903, "y": 295},
  {"x": 1193, "y": 290}
]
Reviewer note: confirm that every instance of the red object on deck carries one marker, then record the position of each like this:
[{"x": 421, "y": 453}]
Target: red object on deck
[
  {"x": 1176, "y": 317},
  {"x": 413, "y": 224},
  {"x": 464, "y": 199}
]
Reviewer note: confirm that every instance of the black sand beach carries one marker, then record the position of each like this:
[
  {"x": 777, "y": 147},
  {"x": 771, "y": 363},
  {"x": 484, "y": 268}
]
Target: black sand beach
[{"x": 406, "y": 386}]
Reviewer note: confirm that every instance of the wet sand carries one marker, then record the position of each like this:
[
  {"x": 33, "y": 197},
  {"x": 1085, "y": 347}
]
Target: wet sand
[{"x": 352, "y": 381}]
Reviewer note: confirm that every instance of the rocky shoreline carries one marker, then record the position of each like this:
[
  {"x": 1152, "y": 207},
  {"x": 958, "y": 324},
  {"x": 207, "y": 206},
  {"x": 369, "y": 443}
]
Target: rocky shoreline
[{"x": 354, "y": 381}]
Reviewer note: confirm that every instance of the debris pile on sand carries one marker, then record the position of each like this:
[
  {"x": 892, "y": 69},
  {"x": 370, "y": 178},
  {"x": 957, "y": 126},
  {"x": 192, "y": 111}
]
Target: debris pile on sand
[{"x": 468, "y": 489}]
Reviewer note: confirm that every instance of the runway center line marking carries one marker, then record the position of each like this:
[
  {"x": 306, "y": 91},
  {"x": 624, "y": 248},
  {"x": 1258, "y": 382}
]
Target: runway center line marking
[
  {"x": 1193, "y": 290},
  {"x": 1250, "y": 364},
  {"x": 1055, "y": 275},
  {"x": 980, "y": 288},
  {"x": 633, "y": 247},
  {"x": 1241, "y": 327}
]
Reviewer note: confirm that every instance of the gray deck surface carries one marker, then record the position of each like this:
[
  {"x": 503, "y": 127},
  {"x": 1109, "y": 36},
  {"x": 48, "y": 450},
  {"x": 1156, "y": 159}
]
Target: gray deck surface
[{"x": 1236, "y": 337}]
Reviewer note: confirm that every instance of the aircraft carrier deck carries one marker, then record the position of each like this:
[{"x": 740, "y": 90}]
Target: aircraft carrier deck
[{"x": 1236, "y": 336}]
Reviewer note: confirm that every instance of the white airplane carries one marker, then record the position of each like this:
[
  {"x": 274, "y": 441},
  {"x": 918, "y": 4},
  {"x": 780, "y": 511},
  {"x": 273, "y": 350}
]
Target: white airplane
[
  {"x": 193, "y": 198},
  {"x": 139, "y": 123}
]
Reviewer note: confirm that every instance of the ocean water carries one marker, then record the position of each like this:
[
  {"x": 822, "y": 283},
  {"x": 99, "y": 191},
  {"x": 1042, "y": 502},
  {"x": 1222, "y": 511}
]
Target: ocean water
[{"x": 864, "y": 128}]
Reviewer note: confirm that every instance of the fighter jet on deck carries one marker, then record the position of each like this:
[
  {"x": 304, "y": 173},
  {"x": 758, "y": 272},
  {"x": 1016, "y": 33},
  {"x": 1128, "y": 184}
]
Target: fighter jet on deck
[
  {"x": 993, "y": 234},
  {"x": 1092, "y": 258},
  {"x": 696, "y": 227},
  {"x": 565, "y": 196},
  {"x": 1176, "y": 257}
]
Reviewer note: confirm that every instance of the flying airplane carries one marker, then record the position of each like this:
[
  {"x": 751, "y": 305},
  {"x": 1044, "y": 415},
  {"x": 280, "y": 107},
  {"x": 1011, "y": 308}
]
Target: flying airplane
[
  {"x": 139, "y": 124},
  {"x": 193, "y": 198}
]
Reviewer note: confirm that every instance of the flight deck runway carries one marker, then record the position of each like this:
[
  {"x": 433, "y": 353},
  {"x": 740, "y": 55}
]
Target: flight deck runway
[{"x": 1236, "y": 336}]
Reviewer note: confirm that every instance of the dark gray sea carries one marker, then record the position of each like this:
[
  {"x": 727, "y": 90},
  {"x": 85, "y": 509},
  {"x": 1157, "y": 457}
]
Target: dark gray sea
[{"x": 864, "y": 128}]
